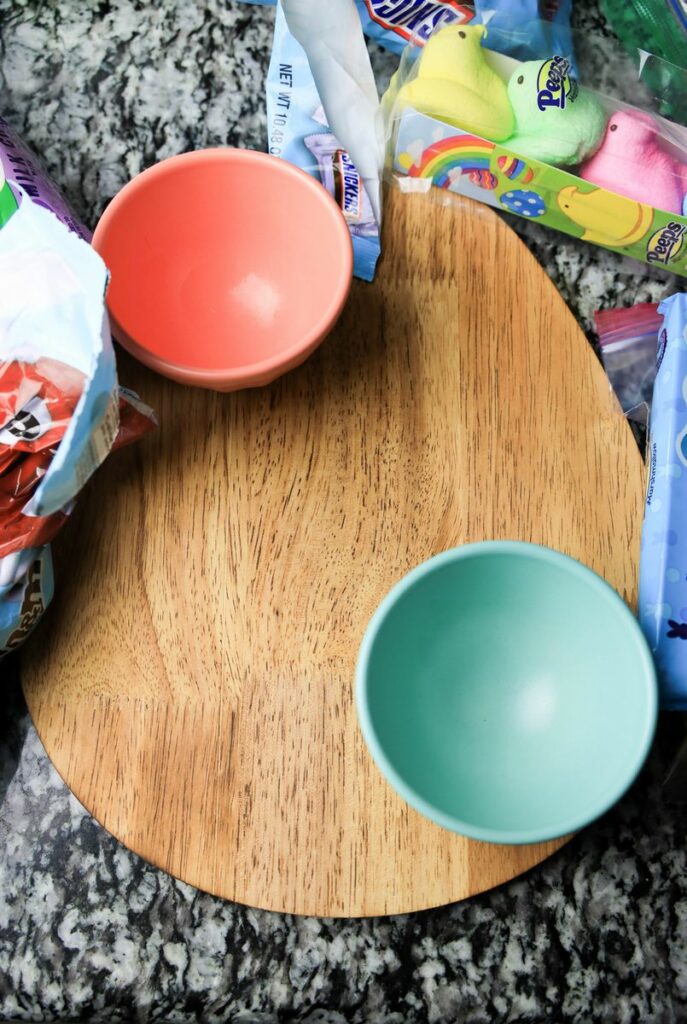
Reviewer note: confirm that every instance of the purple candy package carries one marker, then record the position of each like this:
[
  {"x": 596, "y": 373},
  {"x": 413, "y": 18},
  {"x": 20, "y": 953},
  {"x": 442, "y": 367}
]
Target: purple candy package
[{"x": 19, "y": 167}]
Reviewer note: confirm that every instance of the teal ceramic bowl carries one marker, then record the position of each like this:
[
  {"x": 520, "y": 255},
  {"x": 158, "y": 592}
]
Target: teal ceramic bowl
[{"x": 506, "y": 692}]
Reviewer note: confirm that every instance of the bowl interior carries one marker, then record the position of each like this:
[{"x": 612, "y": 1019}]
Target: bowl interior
[
  {"x": 224, "y": 259},
  {"x": 508, "y": 693}
]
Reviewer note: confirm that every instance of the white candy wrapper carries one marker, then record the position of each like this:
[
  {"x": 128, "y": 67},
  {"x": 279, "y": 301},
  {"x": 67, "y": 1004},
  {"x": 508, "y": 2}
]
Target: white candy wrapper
[{"x": 332, "y": 36}]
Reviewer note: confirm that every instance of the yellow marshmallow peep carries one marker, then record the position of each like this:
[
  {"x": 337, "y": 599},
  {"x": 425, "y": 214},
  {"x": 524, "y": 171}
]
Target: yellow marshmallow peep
[
  {"x": 455, "y": 84},
  {"x": 608, "y": 219}
]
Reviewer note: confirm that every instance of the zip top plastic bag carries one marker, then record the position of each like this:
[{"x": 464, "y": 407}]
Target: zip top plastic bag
[{"x": 627, "y": 342}]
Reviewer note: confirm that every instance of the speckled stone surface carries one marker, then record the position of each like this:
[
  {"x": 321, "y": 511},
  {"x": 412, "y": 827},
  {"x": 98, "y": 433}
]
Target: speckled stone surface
[{"x": 90, "y": 932}]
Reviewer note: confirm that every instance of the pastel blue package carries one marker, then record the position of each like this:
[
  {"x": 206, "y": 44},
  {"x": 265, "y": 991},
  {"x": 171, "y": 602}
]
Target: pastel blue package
[
  {"x": 524, "y": 29},
  {"x": 298, "y": 132},
  {"x": 663, "y": 560}
]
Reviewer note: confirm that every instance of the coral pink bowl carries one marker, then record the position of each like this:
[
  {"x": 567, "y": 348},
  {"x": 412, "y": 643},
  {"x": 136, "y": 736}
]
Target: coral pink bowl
[{"x": 228, "y": 267}]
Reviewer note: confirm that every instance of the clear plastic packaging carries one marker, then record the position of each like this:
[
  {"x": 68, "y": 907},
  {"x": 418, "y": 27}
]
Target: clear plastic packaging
[
  {"x": 322, "y": 102},
  {"x": 321, "y": 114},
  {"x": 530, "y": 139},
  {"x": 627, "y": 342}
]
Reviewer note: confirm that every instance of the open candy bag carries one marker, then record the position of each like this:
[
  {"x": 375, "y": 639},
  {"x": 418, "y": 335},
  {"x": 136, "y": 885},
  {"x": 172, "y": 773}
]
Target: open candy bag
[{"x": 61, "y": 410}]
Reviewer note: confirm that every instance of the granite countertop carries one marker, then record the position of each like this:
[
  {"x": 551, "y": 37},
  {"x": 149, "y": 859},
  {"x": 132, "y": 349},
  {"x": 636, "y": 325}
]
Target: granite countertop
[{"x": 89, "y": 931}]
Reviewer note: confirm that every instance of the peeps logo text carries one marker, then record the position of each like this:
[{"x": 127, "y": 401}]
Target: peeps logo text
[
  {"x": 666, "y": 244},
  {"x": 412, "y": 20},
  {"x": 555, "y": 86}
]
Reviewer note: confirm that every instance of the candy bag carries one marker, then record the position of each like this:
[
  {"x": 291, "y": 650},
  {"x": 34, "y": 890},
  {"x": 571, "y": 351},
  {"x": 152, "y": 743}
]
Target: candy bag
[
  {"x": 520, "y": 28},
  {"x": 18, "y": 165},
  {"x": 299, "y": 131},
  {"x": 663, "y": 559},
  {"x": 60, "y": 406}
]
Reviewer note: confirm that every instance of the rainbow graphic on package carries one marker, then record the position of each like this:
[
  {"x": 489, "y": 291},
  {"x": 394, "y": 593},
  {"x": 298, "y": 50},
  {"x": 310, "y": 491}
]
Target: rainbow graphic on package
[
  {"x": 462, "y": 162},
  {"x": 445, "y": 161}
]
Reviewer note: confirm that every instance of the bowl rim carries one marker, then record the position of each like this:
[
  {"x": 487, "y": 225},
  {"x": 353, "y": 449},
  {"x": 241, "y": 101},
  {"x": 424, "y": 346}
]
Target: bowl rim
[
  {"x": 264, "y": 369},
  {"x": 566, "y": 825}
]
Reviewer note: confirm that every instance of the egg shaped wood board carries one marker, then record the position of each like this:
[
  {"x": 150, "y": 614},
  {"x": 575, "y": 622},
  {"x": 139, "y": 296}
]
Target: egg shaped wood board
[{"x": 193, "y": 681}]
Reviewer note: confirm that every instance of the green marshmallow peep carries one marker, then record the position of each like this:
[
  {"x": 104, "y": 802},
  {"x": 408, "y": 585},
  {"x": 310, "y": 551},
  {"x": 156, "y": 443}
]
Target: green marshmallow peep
[{"x": 555, "y": 121}]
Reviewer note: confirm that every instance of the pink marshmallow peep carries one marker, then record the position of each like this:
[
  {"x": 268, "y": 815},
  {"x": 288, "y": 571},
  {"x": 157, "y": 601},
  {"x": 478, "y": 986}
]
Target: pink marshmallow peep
[{"x": 630, "y": 161}]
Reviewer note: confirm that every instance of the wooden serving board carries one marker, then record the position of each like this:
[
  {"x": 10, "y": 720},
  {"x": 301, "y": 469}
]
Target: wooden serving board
[{"x": 193, "y": 682}]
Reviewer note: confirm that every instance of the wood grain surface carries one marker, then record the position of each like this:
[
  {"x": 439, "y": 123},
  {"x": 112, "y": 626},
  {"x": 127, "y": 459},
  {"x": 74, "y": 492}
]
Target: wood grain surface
[{"x": 193, "y": 682}]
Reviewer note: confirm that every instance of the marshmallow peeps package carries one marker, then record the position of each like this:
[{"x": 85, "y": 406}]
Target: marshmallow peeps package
[
  {"x": 663, "y": 561},
  {"x": 60, "y": 409},
  {"x": 527, "y": 138}
]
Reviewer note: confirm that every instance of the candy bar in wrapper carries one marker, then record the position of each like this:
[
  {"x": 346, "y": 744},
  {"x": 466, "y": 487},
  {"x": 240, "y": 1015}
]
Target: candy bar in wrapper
[
  {"x": 341, "y": 179},
  {"x": 61, "y": 410},
  {"x": 663, "y": 562}
]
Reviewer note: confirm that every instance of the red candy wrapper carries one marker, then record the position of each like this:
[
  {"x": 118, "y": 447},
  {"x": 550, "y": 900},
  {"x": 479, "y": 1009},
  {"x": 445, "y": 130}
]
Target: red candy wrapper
[{"x": 37, "y": 401}]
